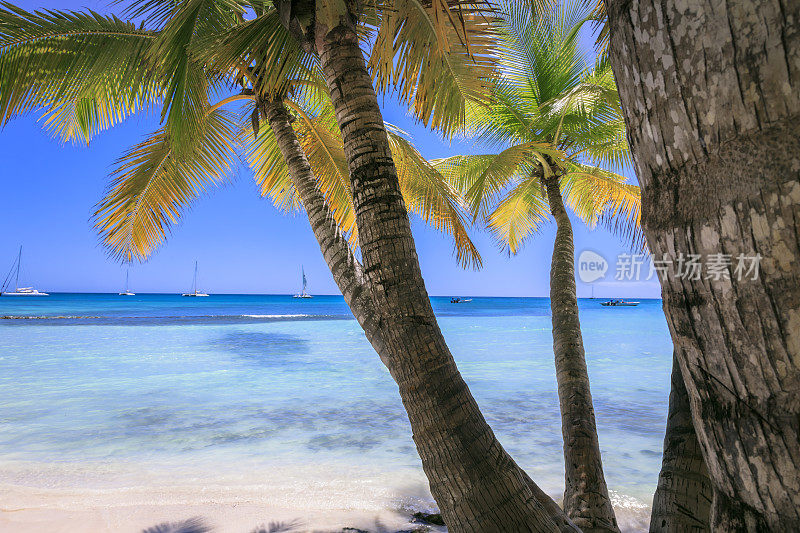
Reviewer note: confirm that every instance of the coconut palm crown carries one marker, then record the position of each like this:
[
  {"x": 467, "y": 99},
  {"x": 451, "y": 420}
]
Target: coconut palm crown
[
  {"x": 195, "y": 60},
  {"x": 551, "y": 112}
]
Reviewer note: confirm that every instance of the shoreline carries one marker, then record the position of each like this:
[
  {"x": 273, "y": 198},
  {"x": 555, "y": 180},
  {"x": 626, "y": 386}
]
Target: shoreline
[{"x": 225, "y": 509}]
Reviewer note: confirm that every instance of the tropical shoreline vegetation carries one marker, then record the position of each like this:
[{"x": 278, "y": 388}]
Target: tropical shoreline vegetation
[{"x": 509, "y": 74}]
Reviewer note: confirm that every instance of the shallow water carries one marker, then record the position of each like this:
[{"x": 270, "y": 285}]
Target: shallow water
[{"x": 287, "y": 395}]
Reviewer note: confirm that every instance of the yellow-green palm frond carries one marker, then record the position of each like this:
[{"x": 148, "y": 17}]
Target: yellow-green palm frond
[
  {"x": 540, "y": 53},
  {"x": 599, "y": 196},
  {"x": 263, "y": 48},
  {"x": 428, "y": 194},
  {"x": 483, "y": 179},
  {"x": 519, "y": 215},
  {"x": 600, "y": 20},
  {"x": 186, "y": 83},
  {"x": 152, "y": 186},
  {"x": 84, "y": 71},
  {"x": 269, "y": 169},
  {"x": 322, "y": 143},
  {"x": 439, "y": 55}
]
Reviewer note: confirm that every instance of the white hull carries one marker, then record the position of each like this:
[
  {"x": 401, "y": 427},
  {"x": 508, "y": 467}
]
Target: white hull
[
  {"x": 619, "y": 304},
  {"x": 302, "y": 296},
  {"x": 194, "y": 294},
  {"x": 127, "y": 293},
  {"x": 36, "y": 293}
]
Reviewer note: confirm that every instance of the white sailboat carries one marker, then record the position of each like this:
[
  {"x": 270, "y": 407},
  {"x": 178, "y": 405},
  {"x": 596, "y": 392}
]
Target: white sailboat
[
  {"x": 18, "y": 291},
  {"x": 303, "y": 293},
  {"x": 127, "y": 292},
  {"x": 195, "y": 292}
]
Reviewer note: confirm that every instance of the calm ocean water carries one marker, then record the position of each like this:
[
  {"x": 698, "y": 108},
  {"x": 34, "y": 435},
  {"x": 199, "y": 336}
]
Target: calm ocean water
[{"x": 103, "y": 392}]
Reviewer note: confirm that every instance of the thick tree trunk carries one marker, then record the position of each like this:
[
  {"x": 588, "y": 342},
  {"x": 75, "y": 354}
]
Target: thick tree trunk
[
  {"x": 683, "y": 497},
  {"x": 476, "y": 484},
  {"x": 586, "y": 499},
  {"x": 346, "y": 270},
  {"x": 711, "y": 95}
]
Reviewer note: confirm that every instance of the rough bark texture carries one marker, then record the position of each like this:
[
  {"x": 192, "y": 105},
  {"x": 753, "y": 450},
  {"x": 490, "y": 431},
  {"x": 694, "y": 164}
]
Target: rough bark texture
[
  {"x": 476, "y": 484},
  {"x": 346, "y": 270},
  {"x": 683, "y": 497},
  {"x": 711, "y": 95},
  {"x": 586, "y": 499}
]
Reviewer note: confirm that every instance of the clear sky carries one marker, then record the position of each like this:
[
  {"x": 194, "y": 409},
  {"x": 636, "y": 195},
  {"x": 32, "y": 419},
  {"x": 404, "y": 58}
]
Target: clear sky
[{"x": 243, "y": 244}]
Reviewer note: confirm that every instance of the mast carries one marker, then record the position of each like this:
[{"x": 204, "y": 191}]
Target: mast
[
  {"x": 303, "y": 271},
  {"x": 194, "y": 281},
  {"x": 19, "y": 263},
  {"x": 127, "y": 275}
]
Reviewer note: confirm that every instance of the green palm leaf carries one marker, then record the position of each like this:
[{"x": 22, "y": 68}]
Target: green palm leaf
[
  {"x": 439, "y": 55},
  {"x": 84, "y": 71},
  {"x": 153, "y": 185}
]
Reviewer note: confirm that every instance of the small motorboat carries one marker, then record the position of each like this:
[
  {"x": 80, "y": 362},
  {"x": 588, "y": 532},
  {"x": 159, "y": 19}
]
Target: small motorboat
[
  {"x": 460, "y": 300},
  {"x": 619, "y": 303}
]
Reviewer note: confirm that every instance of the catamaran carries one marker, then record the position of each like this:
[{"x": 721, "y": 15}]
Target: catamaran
[
  {"x": 127, "y": 292},
  {"x": 195, "y": 292},
  {"x": 303, "y": 293},
  {"x": 18, "y": 291}
]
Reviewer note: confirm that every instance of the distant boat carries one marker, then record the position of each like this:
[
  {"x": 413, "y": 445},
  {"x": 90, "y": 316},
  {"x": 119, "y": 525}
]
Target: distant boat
[
  {"x": 126, "y": 292},
  {"x": 303, "y": 293},
  {"x": 195, "y": 292},
  {"x": 18, "y": 291},
  {"x": 619, "y": 303},
  {"x": 460, "y": 300}
]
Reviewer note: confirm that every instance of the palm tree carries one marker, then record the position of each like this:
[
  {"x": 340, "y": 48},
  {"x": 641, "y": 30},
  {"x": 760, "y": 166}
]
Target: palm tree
[
  {"x": 558, "y": 124},
  {"x": 88, "y": 72},
  {"x": 710, "y": 97}
]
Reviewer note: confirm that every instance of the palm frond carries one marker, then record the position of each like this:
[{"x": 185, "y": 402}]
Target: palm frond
[
  {"x": 519, "y": 215},
  {"x": 264, "y": 48},
  {"x": 84, "y": 71},
  {"x": 599, "y": 196},
  {"x": 438, "y": 55},
  {"x": 152, "y": 186},
  {"x": 428, "y": 194},
  {"x": 186, "y": 83},
  {"x": 483, "y": 179}
]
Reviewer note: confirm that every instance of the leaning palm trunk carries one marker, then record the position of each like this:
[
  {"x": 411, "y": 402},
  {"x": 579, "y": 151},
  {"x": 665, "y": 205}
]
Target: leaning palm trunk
[
  {"x": 586, "y": 499},
  {"x": 711, "y": 96},
  {"x": 344, "y": 267},
  {"x": 477, "y": 485},
  {"x": 683, "y": 496}
]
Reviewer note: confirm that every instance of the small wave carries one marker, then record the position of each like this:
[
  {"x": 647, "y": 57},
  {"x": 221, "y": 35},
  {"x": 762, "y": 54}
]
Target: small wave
[
  {"x": 40, "y": 317},
  {"x": 278, "y": 316},
  {"x": 163, "y": 320}
]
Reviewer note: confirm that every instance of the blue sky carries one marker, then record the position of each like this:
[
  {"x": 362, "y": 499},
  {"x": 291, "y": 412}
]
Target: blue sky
[{"x": 243, "y": 244}]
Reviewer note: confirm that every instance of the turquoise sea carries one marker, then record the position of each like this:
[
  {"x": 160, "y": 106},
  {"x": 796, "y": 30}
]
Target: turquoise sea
[{"x": 281, "y": 404}]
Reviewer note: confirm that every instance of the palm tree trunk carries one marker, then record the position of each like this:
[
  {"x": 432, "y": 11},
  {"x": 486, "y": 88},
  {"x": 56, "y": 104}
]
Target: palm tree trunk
[
  {"x": 683, "y": 497},
  {"x": 476, "y": 484},
  {"x": 586, "y": 499},
  {"x": 711, "y": 96},
  {"x": 346, "y": 269}
]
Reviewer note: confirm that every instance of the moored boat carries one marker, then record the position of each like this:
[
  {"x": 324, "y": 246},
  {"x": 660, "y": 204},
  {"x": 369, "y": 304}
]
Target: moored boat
[
  {"x": 619, "y": 303},
  {"x": 127, "y": 292},
  {"x": 194, "y": 292},
  {"x": 303, "y": 293},
  {"x": 18, "y": 291}
]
